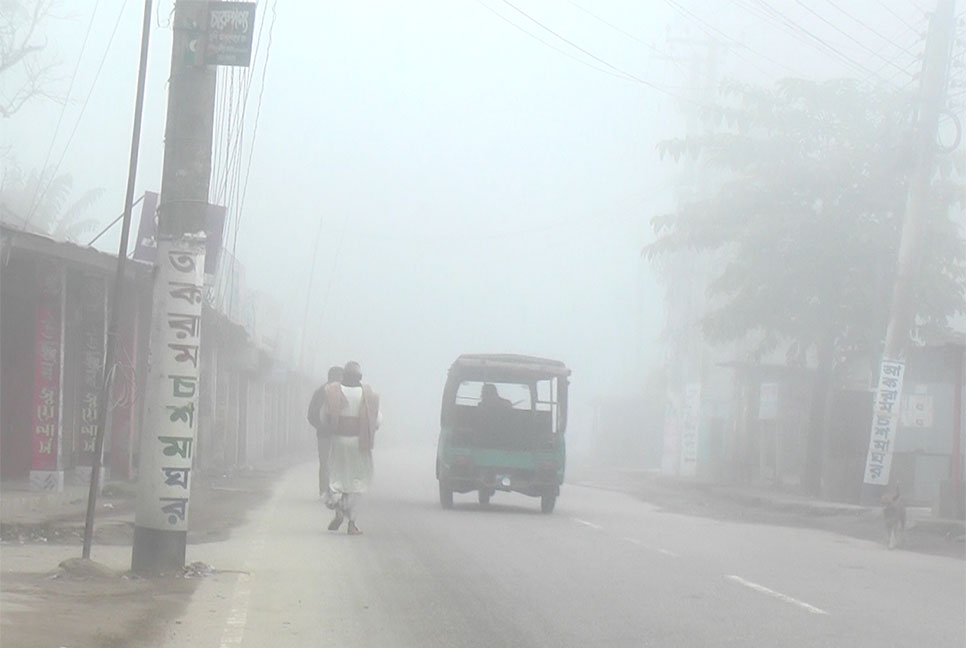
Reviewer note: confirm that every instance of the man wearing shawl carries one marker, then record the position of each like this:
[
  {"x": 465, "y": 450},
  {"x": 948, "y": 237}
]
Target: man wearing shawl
[{"x": 352, "y": 410}]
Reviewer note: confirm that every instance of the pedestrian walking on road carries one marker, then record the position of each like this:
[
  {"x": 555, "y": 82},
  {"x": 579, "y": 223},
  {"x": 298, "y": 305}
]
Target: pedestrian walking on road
[
  {"x": 353, "y": 411},
  {"x": 323, "y": 430}
]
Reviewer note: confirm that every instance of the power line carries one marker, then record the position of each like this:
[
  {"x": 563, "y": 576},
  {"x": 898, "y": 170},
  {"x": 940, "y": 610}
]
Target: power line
[
  {"x": 308, "y": 292},
  {"x": 809, "y": 34},
  {"x": 644, "y": 82},
  {"x": 862, "y": 23},
  {"x": 707, "y": 26},
  {"x": 241, "y": 189},
  {"x": 620, "y": 30},
  {"x": 258, "y": 111},
  {"x": 232, "y": 194},
  {"x": 335, "y": 268},
  {"x": 60, "y": 118},
  {"x": 785, "y": 27},
  {"x": 80, "y": 116},
  {"x": 915, "y": 60},
  {"x": 622, "y": 77},
  {"x": 898, "y": 17},
  {"x": 845, "y": 33}
]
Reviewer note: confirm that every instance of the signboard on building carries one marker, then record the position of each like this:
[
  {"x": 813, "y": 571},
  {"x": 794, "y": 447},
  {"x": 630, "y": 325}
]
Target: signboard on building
[
  {"x": 147, "y": 241},
  {"x": 48, "y": 359},
  {"x": 885, "y": 421},
  {"x": 92, "y": 312},
  {"x": 230, "y": 29}
]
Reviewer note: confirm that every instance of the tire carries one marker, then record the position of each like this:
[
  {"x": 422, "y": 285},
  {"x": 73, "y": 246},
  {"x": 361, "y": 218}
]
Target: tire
[
  {"x": 547, "y": 502},
  {"x": 484, "y": 496},
  {"x": 445, "y": 495}
]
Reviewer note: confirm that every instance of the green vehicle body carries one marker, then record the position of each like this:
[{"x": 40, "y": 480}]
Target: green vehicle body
[{"x": 520, "y": 449}]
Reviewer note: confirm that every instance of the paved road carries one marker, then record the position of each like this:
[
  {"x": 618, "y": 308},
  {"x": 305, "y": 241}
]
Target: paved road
[{"x": 603, "y": 570}]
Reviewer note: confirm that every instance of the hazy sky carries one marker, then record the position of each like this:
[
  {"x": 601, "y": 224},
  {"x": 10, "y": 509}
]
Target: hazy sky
[{"x": 479, "y": 190}]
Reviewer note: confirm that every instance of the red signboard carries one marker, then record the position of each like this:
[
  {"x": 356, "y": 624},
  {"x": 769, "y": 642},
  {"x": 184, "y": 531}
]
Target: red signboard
[
  {"x": 92, "y": 361},
  {"x": 46, "y": 414}
]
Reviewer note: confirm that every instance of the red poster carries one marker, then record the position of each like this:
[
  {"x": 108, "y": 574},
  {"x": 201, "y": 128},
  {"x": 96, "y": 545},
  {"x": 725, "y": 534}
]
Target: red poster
[{"x": 46, "y": 414}]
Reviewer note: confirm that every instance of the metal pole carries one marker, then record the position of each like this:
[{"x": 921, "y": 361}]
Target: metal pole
[
  {"x": 112, "y": 330},
  {"x": 112, "y": 224},
  {"x": 308, "y": 297}
]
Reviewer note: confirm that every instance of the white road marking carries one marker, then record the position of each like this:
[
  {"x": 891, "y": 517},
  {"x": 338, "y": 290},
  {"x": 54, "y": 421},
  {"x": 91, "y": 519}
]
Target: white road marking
[
  {"x": 238, "y": 615},
  {"x": 666, "y": 552},
  {"x": 586, "y": 523},
  {"x": 777, "y": 595},
  {"x": 237, "y": 620}
]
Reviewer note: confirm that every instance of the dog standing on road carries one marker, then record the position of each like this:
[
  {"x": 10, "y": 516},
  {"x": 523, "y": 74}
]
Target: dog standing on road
[{"x": 894, "y": 515}]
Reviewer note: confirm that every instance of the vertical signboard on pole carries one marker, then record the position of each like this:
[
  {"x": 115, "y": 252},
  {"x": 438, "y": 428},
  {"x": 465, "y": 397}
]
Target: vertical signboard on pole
[
  {"x": 885, "y": 421},
  {"x": 671, "y": 456},
  {"x": 167, "y": 453},
  {"x": 690, "y": 424}
]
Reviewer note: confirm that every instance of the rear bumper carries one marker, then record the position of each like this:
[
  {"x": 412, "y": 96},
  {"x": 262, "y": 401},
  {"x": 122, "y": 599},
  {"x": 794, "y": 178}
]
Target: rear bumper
[{"x": 464, "y": 478}]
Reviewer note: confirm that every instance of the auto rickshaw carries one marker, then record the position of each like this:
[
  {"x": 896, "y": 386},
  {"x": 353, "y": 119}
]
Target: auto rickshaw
[{"x": 502, "y": 428}]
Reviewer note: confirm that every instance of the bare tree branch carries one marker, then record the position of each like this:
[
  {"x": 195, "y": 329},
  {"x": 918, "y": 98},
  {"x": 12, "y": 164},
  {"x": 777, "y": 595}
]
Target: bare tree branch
[{"x": 24, "y": 76}]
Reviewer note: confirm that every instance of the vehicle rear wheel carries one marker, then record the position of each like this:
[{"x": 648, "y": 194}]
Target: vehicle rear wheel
[
  {"x": 485, "y": 495},
  {"x": 547, "y": 502},
  {"x": 445, "y": 495}
]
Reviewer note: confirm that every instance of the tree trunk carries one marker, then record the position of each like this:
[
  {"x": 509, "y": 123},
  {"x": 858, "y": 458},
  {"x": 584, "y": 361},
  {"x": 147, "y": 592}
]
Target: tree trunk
[{"x": 817, "y": 418}]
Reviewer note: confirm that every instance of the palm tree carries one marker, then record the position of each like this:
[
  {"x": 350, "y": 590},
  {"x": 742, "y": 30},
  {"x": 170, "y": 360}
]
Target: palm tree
[{"x": 43, "y": 203}]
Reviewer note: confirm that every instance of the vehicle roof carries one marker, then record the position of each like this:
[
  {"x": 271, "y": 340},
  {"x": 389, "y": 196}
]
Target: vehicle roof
[{"x": 511, "y": 362}]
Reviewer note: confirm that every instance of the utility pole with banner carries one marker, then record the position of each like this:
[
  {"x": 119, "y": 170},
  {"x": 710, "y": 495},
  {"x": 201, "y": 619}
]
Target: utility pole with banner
[
  {"x": 206, "y": 34},
  {"x": 888, "y": 396}
]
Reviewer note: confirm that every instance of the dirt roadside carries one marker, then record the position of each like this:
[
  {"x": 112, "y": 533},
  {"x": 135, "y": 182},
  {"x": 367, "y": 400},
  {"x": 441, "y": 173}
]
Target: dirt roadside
[
  {"x": 93, "y": 606},
  {"x": 765, "y": 507}
]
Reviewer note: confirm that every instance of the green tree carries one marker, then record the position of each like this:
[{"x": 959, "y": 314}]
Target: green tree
[
  {"x": 809, "y": 210},
  {"x": 38, "y": 202}
]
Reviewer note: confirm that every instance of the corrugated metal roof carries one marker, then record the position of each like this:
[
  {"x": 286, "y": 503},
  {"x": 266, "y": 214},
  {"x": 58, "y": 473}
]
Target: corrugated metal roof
[{"x": 14, "y": 238}]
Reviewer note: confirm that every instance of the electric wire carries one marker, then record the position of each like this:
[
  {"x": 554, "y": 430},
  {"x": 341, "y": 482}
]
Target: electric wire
[
  {"x": 60, "y": 117},
  {"x": 607, "y": 64},
  {"x": 654, "y": 49},
  {"x": 767, "y": 14},
  {"x": 80, "y": 115},
  {"x": 862, "y": 23},
  {"x": 622, "y": 77},
  {"x": 791, "y": 24},
  {"x": 897, "y": 16},
  {"x": 712, "y": 30},
  {"x": 846, "y": 34}
]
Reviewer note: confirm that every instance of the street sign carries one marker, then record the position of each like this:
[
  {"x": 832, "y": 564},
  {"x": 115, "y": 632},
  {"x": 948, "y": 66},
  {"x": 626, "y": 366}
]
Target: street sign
[{"x": 230, "y": 29}]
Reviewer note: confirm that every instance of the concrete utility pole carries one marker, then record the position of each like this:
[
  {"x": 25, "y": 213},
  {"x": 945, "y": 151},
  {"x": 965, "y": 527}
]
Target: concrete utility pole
[
  {"x": 689, "y": 356},
  {"x": 932, "y": 96},
  {"x": 168, "y": 434}
]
